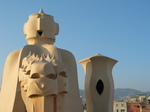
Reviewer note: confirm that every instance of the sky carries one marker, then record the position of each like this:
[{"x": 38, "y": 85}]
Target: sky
[{"x": 119, "y": 29}]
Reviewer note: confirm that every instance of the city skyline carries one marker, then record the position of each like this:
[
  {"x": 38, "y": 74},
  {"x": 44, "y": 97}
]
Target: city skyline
[{"x": 116, "y": 29}]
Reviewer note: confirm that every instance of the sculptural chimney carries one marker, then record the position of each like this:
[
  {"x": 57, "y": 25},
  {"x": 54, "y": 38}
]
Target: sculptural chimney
[
  {"x": 99, "y": 85},
  {"x": 40, "y": 77}
]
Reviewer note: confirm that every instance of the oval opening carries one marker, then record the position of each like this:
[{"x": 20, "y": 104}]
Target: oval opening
[{"x": 100, "y": 87}]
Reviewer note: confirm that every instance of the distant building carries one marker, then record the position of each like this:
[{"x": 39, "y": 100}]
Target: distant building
[
  {"x": 120, "y": 106},
  {"x": 148, "y": 99},
  {"x": 137, "y": 107},
  {"x": 133, "y": 107},
  {"x": 141, "y": 98},
  {"x": 132, "y": 100},
  {"x": 141, "y": 103}
]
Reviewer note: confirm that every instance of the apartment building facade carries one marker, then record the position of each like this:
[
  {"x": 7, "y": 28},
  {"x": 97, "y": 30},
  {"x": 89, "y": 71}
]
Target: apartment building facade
[{"x": 120, "y": 106}]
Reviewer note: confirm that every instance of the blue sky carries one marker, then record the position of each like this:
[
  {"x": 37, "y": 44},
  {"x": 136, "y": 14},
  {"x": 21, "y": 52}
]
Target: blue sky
[{"x": 119, "y": 29}]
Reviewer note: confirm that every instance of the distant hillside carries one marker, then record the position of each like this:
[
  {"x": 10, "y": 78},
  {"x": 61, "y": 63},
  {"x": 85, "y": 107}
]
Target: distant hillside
[
  {"x": 128, "y": 92},
  {"x": 122, "y": 93}
]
